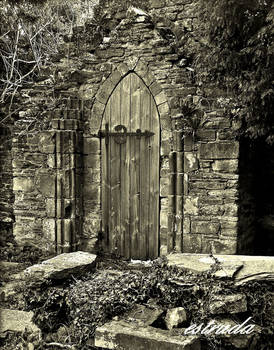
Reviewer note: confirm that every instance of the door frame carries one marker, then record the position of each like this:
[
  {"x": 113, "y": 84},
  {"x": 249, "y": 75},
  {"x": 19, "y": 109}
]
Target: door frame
[{"x": 169, "y": 235}]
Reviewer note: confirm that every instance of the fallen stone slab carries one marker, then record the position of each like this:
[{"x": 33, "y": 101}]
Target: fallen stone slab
[
  {"x": 240, "y": 268},
  {"x": 16, "y": 321},
  {"x": 120, "y": 335},
  {"x": 61, "y": 266},
  {"x": 143, "y": 315},
  {"x": 175, "y": 317},
  {"x": 233, "y": 304},
  {"x": 199, "y": 263}
]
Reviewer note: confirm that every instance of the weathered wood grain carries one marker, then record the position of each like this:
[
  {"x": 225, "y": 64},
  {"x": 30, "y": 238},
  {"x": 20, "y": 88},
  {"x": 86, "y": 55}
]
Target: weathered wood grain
[
  {"x": 130, "y": 172},
  {"x": 125, "y": 169}
]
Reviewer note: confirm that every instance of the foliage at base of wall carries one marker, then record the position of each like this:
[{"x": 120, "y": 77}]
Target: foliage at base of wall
[{"x": 71, "y": 312}]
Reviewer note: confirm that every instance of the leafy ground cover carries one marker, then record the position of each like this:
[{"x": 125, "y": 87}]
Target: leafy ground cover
[{"x": 69, "y": 313}]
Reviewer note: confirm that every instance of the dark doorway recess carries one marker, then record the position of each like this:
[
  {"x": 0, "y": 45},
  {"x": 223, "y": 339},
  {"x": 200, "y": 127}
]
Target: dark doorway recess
[{"x": 256, "y": 198}]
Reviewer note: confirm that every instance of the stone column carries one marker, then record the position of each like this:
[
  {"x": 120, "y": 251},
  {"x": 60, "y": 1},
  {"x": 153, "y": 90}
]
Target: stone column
[{"x": 67, "y": 125}]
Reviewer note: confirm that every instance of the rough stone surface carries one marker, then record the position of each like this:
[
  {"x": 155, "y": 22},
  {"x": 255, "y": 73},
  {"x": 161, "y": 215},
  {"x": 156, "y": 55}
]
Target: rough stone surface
[
  {"x": 125, "y": 335},
  {"x": 61, "y": 266},
  {"x": 46, "y": 169},
  {"x": 219, "y": 150},
  {"x": 234, "y": 303},
  {"x": 16, "y": 321},
  {"x": 175, "y": 317},
  {"x": 225, "y": 166},
  {"x": 239, "y": 267},
  {"x": 144, "y": 315}
]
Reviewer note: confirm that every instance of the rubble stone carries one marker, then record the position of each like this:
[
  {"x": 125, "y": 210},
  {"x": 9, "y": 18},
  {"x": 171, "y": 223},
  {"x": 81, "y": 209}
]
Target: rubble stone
[{"x": 175, "y": 317}]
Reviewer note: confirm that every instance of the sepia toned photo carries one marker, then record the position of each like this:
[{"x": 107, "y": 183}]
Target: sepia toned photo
[{"x": 136, "y": 174}]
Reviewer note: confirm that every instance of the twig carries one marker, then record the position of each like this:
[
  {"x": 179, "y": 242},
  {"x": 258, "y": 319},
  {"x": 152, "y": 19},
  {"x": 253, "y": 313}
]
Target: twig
[
  {"x": 62, "y": 346},
  {"x": 12, "y": 65},
  {"x": 45, "y": 25}
]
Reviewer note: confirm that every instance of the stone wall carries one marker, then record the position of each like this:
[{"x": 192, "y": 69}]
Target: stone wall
[
  {"x": 57, "y": 184},
  {"x": 6, "y": 194}
]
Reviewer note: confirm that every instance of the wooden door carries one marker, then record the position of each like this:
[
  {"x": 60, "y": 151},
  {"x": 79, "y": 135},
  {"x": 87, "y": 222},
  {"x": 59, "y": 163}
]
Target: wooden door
[{"x": 130, "y": 171}]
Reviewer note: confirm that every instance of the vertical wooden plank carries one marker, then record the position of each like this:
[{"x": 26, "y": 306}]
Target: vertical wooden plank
[
  {"x": 154, "y": 182},
  {"x": 135, "y": 166},
  {"x": 115, "y": 174},
  {"x": 125, "y": 169},
  {"x": 145, "y": 168}
]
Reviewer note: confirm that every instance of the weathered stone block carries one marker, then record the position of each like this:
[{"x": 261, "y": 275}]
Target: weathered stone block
[
  {"x": 92, "y": 161},
  {"x": 157, "y": 4},
  {"x": 50, "y": 207},
  {"x": 163, "y": 219},
  {"x": 165, "y": 147},
  {"x": 91, "y": 225},
  {"x": 163, "y": 236},
  {"x": 164, "y": 111},
  {"x": 17, "y": 321},
  {"x": 206, "y": 135},
  {"x": 49, "y": 229},
  {"x": 61, "y": 266},
  {"x": 143, "y": 315},
  {"x": 141, "y": 68},
  {"x": 190, "y": 162},
  {"x": 233, "y": 303},
  {"x": 225, "y": 166},
  {"x": 46, "y": 184},
  {"x": 115, "y": 77},
  {"x": 191, "y": 205},
  {"x": 205, "y": 227},
  {"x": 126, "y": 335},
  {"x": 175, "y": 317},
  {"x": 219, "y": 246},
  {"x": 192, "y": 243},
  {"x": 231, "y": 209},
  {"x": 186, "y": 225},
  {"x": 105, "y": 91},
  {"x": 164, "y": 186},
  {"x": 212, "y": 209},
  {"x": 160, "y": 98},
  {"x": 46, "y": 142},
  {"x": 188, "y": 143},
  {"x": 25, "y": 184},
  {"x": 91, "y": 191},
  {"x": 108, "y": 53},
  {"x": 155, "y": 88},
  {"x": 229, "y": 150},
  {"x": 97, "y": 110},
  {"x": 91, "y": 145}
]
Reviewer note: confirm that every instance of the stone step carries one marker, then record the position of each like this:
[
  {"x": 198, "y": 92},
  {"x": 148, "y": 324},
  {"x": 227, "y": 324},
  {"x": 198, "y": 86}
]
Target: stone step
[
  {"x": 17, "y": 321},
  {"x": 129, "y": 335}
]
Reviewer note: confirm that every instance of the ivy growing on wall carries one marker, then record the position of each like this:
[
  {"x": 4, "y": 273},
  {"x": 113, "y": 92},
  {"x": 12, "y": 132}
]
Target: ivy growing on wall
[
  {"x": 232, "y": 47},
  {"x": 241, "y": 36}
]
